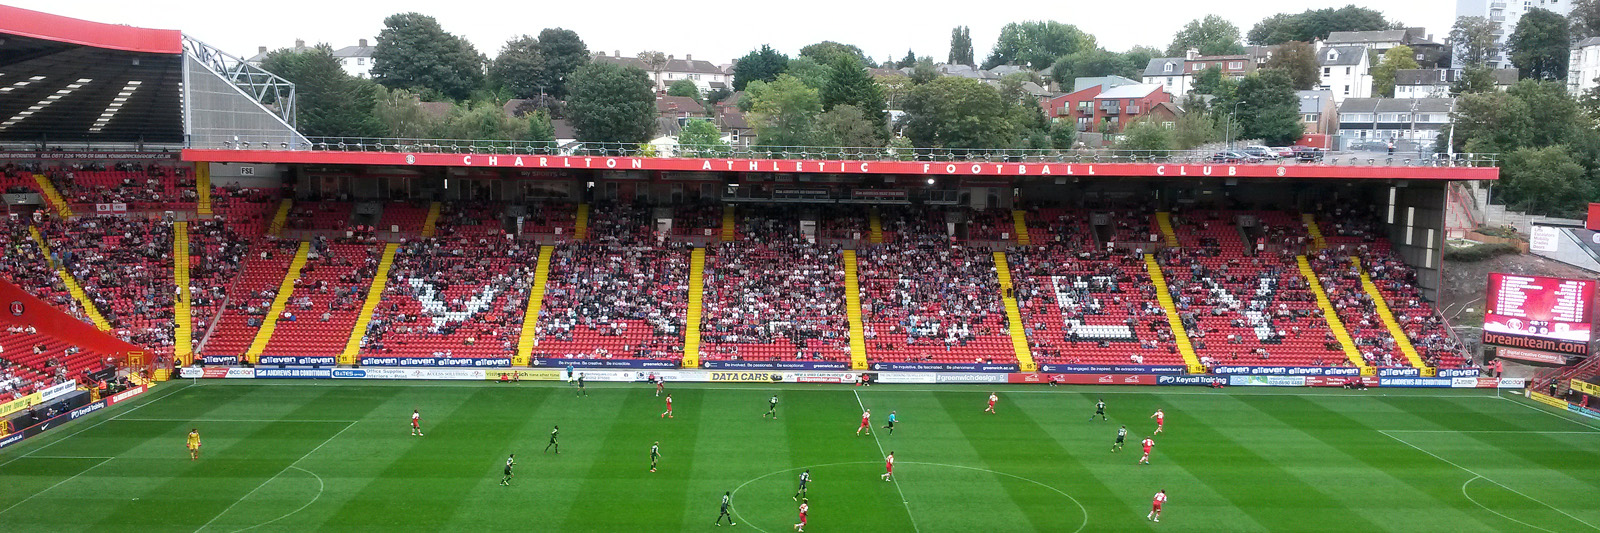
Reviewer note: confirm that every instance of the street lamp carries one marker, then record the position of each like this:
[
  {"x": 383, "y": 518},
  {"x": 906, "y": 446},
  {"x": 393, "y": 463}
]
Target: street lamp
[{"x": 1231, "y": 119}]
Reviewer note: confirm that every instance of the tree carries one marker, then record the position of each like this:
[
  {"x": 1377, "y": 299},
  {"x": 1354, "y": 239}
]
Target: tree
[
  {"x": 1474, "y": 79},
  {"x": 479, "y": 120},
  {"x": 1539, "y": 46},
  {"x": 519, "y": 66},
  {"x": 1209, "y": 81},
  {"x": 1193, "y": 129},
  {"x": 1555, "y": 115},
  {"x": 826, "y": 52},
  {"x": 564, "y": 53},
  {"x": 894, "y": 90},
  {"x": 540, "y": 129},
  {"x": 400, "y": 112},
  {"x": 1270, "y": 110},
  {"x": 1138, "y": 57},
  {"x": 701, "y": 138},
  {"x": 764, "y": 64},
  {"x": 1546, "y": 180},
  {"x": 1495, "y": 122},
  {"x": 1299, "y": 60},
  {"x": 1472, "y": 39},
  {"x": 684, "y": 88},
  {"x": 1091, "y": 63},
  {"x": 1037, "y": 44},
  {"x": 1212, "y": 36},
  {"x": 784, "y": 112},
  {"x": 657, "y": 62},
  {"x": 1383, "y": 76},
  {"x": 611, "y": 103},
  {"x": 414, "y": 52},
  {"x": 850, "y": 84},
  {"x": 1585, "y": 18},
  {"x": 1063, "y": 135},
  {"x": 1316, "y": 25},
  {"x": 807, "y": 70},
  {"x": 909, "y": 60},
  {"x": 958, "y": 113},
  {"x": 960, "y": 46},
  {"x": 923, "y": 71},
  {"x": 846, "y": 125},
  {"x": 330, "y": 102},
  {"x": 1144, "y": 137}
]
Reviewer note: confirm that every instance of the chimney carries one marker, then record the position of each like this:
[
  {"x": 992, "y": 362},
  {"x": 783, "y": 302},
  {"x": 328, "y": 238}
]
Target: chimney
[
  {"x": 601, "y": 53},
  {"x": 688, "y": 57},
  {"x": 299, "y": 43},
  {"x": 362, "y": 43},
  {"x": 261, "y": 49},
  {"x": 1192, "y": 54},
  {"x": 669, "y": 57},
  {"x": 617, "y": 53}
]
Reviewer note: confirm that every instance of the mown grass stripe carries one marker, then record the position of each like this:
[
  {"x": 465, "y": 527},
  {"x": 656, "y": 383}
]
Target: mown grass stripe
[{"x": 1010, "y": 441}]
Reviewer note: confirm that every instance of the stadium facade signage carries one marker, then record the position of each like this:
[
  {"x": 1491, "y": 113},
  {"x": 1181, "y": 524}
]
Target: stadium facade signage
[
  {"x": 1266, "y": 381},
  {"x": 1580, "y": 386},
  {"x": 947, "y": 367},
  {"x": 96, "y": 156},
  {"x": 1547, "y": 399},
  {"x": 523, "y": 375},
  {"x": 1415, "y": 382},
  {"x": 303, "y": 373},
  {"x": 1531, "y": 356},
  {"x": 437, "y": 361},
  {"x": 1533, "y": 343},
  {"x": 125, "y": 395},
  {"x": 239, "y": 373},
  {"x": 907, "y": 377},
  {"x": 1113, "y": 369},
  {"x": 13, "y": 438},
  {"x": 1458, "y": 373},
  {"x": 837, "y": 167},
  {"x": 58, "y": 390},
  {"x": 776, "y": 365},
  {"x": 603, "y": 363},
  {"x": 92, "y": 407},
  {"x": 1585, "y": 411},
  {"x": 1399, "y": 372},
  {"x": 219, "y": 360},
  {"x": 1187, "y": 380},
  {"x": 1287, "y": 370},
  {"x": 965, "y": 377},
  {"x": 296, "y": 360},
  {"x": 1339, "y": 381}
]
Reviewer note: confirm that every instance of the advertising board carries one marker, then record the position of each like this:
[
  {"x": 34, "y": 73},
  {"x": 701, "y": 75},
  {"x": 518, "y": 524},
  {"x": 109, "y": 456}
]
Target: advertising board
[
  {"x": 943, "y": 367},
  {"x": 1415, "y": 382},
  {"x": 724, "y": 376},
  {"x": 1339, "y": 381},
  {"x": 295, "y": 373},
  {"x": 1267, "y": 381},
  {"x": 1539, "y": 313},
  {"x": 301, "y": 360},
  {"x": 1531, "y": 356},
  {"x": 58, "y": 390},
  {"x": 907, "y": 377},
  {"x": 1288, "y": 370},
  {"x": 1188, "y": 380},
  {"x": 445, "y": 362},
  {"x": 220, "y": 360},
  {"x": 1585, "y": 387},
  {"x": 1113, "y": 369},
  {"x": 1457, "y": 373},
  {"x": 602, "y": 363},
  {"x": 775, "y": 365},
  {"x": 524, "y": 375},
  {"x": 125, "y": 395},
  {"x": 1077, "y": 379},
  {"x": 971, "y": 377}
]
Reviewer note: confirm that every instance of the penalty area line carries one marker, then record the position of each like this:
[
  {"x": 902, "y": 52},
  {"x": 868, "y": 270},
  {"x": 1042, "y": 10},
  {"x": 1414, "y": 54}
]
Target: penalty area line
[
  {"x": 1477, "y": 475},
  {"x": 60, "y": 483}
]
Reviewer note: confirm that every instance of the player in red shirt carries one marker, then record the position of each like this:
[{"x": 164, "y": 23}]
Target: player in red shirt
[
  {"x": 992, "y": 399},
  {"x": 1160, "y": 418},
  {"x": 801, "y": 527},
  {"x": 888, "y": 467},
  {"x": 416, "y": 423},
  {"x": 866, "y": 423},
  {"x": 668, "y": 414},
  {"x": 1147, "y": 443},
  {"x": 1155, "y": 506}
]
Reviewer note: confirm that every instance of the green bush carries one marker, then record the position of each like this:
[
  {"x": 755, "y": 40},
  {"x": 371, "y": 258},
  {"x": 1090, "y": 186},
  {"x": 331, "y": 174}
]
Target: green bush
[{"x": 1479, "y": 252}]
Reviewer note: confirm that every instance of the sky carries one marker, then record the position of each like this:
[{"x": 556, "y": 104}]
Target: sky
[{"x": 731, "y": 29}]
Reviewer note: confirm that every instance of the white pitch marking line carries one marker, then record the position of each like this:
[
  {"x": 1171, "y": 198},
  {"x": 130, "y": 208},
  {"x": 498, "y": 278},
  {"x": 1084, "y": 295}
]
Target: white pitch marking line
[
  {"x": 1502, "y": 485},
  {"x": 896, "y": 481},
  {"x": 62, "y": 482},
  {"x": 320, "y": 486},
  {"x": 68, "y": 457},
  {"x": 275, "y": 476},
  {"x": 224, "y": 420},
  {"x": 1531, "y": 432},
  {"x": 1497, "y": 513},
  {"x": 96, "y": 424}
]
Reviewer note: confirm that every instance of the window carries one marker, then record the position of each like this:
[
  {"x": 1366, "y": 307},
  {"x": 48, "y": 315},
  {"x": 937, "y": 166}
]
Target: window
[
  {"x": 1326, "y": 71},
  {"x": 1347, "y": 89},
  {"x": 361, "y": 61},
  {"x": 1310, "y": 118},
  {"x": 1333, "y": 55},
  {"x": 1169, "y": 81},
  {"x": 1347, "y": 71},
  {"x": 1169, "y": 124},
  {"x": 1167, "y": 68},
  {"x": 1197, "y": 66},
  {"x": 1236, "y": 65}
]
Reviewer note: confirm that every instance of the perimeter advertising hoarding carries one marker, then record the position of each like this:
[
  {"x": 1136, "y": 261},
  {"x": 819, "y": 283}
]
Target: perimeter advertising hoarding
[
  {"x": 1531, "y": 356},
  {"x": 1540, "y": 313}
]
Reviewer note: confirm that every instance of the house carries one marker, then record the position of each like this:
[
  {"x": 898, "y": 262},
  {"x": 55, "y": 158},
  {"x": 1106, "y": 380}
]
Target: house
[
  {"x": 1176, "y": 74},
  {"x": 1108, "y": 82},
  {"x": 705, "y": 75},
  {"x": 1169, "y": 73},
  {"x": 1413, "y": 124},
  {"x": 1166, "y": 114},
  {"x": 1115, "y": 107},
  {"x": 1435, "y": 83},
  {"x": 679, "y": 107},
  {"x": 1076, "y": 107},
  {"x": 1584, "y": 66},
  {"x": 1506, "y": 14},
  {"x": 1346, "y": 71},
  {"x": 1317, "y": 111},
  {"x": 356, "y": 60},
  {"x": 1427, "y": 53},
  {"x": 736, "y": 128}
]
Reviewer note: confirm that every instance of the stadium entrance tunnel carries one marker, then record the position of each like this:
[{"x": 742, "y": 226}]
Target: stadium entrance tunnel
[{"x": 937, "y": 497}]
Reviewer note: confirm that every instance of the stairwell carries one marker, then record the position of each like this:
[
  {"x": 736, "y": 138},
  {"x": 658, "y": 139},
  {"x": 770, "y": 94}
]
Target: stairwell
[
  {"x": 54, "y": 196},
  {"x": 530, "y": 316},
  {"x": 275, "y": 228},
  {"x": 1179, "y": 334},
  {"x": 1315, "y": 232},
  {"x": 852, "y": 304},
  {"x": 1020, "y": 219},
  {"x": 1164, "y": 221},
  {"x": 183, "y": 323},
  {"x": 874, "y": 227},
  {"x": 1335, "y": 325},
  {"x": 1401, "y": 340},
  {"x": 202, "y": 189},
  {"x": 691, "y": 318},
  {"x": 730, "y": 223},
  {"x": 1019, "y": 335},
  {"x": 73, "y": 288},
  {"x": 269, "y": 323},
  {"x": 430, "y": 225},
  {"x": 380, "y": 279},
  {"x": 580, "y": 228}
]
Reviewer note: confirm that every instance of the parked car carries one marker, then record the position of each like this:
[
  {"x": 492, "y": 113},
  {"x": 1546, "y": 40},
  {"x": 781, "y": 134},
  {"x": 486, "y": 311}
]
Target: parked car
[
  {"x": 1284, "y": 151},
  {"x": 1369, "y": 146},
  {"x": 1234, "y": 157},
  {"x": 1308, "y": 153},
  {"x": 1261, "y": 152}
]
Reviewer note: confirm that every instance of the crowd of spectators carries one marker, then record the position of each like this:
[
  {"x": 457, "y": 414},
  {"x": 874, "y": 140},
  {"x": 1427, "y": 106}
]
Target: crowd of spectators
[
  {"x": 124, "y": 265},
  {"x": 139, "y": 185},
  {"x": 774, "y": 294},
  {"x": 452, "y": 294},
  {"x": 925, "y": 295}
]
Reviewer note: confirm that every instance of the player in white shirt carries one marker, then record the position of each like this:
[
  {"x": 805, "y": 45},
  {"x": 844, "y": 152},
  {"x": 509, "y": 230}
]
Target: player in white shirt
[
  {"x": 1160, "y": 418},
  {"x": 992, "y": 399},
  {"x": 888, "y": 467},
  {"x": 1147, "y": 444},
  {"x": 416, "y": 423},
  {"x": 1155, "y": 506},
  {"x": 866, "y": 423}
]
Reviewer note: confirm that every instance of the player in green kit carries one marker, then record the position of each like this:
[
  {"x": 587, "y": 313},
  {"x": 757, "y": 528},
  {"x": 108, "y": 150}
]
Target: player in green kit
[
  {"x": 581, "y": 391},
  {"x": 553, "y": 431},
  {"x": 772, "y": 408},
  {"x": 1122, "y": 435},
  {"x": 1099, "y": 410},
  {"x": 655, "y": 453},
  {"x": 511, "y": 461},
  {"x": 727, "y": 502}
]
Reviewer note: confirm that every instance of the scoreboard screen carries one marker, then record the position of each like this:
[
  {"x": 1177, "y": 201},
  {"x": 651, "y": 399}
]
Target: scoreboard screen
[{"x": 1540, "y": 313}]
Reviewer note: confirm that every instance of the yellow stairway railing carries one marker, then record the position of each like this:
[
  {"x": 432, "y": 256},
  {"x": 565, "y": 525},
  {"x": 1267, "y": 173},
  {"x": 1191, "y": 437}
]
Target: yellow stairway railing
[
  {"x": 530, "y": 317},
  {"x": 71, "y": 283},
  {"x": 1332, "y": 315},
  {"x": 50, "y": 193},
  {"x": 1180, "y": 335},
  {"x": 269, "y": 324},
  {"x": 1164, "y": 220},
  {"x": 697, "y": 291},
  {"x": 380, "y": 279},
  {"x": 1019, "y": 335},
  {"x": 1401, "y": 340},
  {"x": 183, "y": 323},
  {"x": 852, "y": 303},
  {"x": 1019, "y": 218}
]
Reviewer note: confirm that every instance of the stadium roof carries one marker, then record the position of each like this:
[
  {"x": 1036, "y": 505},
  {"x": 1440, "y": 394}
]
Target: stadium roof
[{"x": 65, "y": 79}]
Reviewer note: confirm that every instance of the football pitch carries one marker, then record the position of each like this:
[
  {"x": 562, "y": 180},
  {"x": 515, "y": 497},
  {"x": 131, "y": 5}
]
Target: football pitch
[{"x": 339, "y": 456}]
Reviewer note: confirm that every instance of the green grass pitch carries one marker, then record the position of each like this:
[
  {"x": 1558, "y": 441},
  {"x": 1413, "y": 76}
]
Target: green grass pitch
[{"x": 338, "y": 456}]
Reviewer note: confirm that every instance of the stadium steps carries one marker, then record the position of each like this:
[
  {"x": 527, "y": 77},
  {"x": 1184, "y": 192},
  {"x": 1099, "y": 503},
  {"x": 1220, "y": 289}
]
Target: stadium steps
[
  {"x": 280, "y": 218},
  {"x": 730, "y": 223},
  {"x": 530, "y": 317},
  {"x": 1019, "y": 336},
  {"x": 160, "y": 374},
  {"x": 1335, "y": 325},
  {"x": 1164, "y": 296},
  {"x": 50, "y": 193},
  {"x": 269, "y": 323},
  {"x": 1020, "y": 219},
  {"x": 697, "y": 291},
  {"x": 1164, "y": 220},
  {"x": 852, "y": 304},
  {"x": 1317, "y": 242},
  {"x": 875, "y": 225},
  {"x": 380, "y": 279},
  {"x": 580, "y": 228},
  {"x": 183, "y": 327},
  {"x": 1401, "y": 340},
  {"x": 431, "y": 224},
  {"x": 202, "y": 189},
  {"x": 73, "y": 288}
]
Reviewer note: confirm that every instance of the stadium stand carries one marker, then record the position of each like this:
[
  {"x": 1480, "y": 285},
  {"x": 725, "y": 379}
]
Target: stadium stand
[
  {"x": 326, "y": 299},
  {"x": 124, "y": 265}
]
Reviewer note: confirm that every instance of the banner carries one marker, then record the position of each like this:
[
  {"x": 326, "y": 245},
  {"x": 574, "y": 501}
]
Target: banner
[
  {"x": 1457, "y": 373},
  {"x": 821, "y": 377},
  {"x": 1288, "y": 370},
  {"x": 968, "y": 377},
  {"x": 408, "y": 373},
  {"x": 237, "y": 372},
  {"x": 602, "y": 363},
  {"x": 125, "y": 395},
  {"x": 1464, "y": 383},
  {"x": 1540, "y": 313},
  {"x": 1591, "y": 413},
  {"x": 301, "y": 373},
  {"x": 767, "y": 377},
  {"x": 98, "y": 156},
  {"x": 1187, "y": 380},
  {"x": 1080, "y": 379},
  {"x": 1414, "y": 382},
  {"x": 92, "y": 407},
  {"x": 1580, "y": 386},
  {"x": 1513, "y": 383},
  {"x": 110, "y": 208},
  {"x": 523, "y": 375},
  {"x": 945, "y": 367},
  {"x": 1531, "y": 356},
  {"x": 1547, "y": 400},
  {"x": 775, "y": 365},
  {"x": 189, "y": 372},
  {"x": 1113, "y": 369},
  {"x": 1399, "y": 372},
  {"x": 221, "y": 360},
  {"x": 303, "y": 360},
  {"x": 19, "y": 404},
  {"x": 437, "y": 361},
  {"x": 58, "y": 390},
  {"x": 907, "y": 377},
  {"x": 1267, "y": 381},
  {"x": 1339, "y": 381}
]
